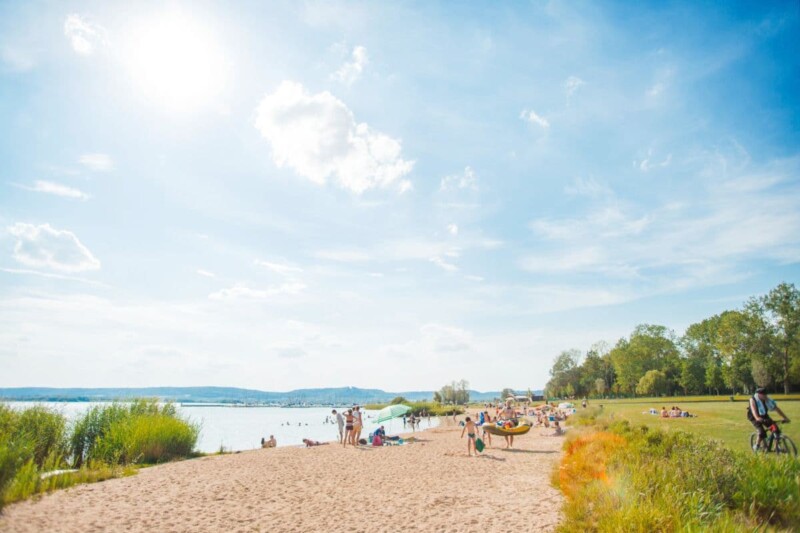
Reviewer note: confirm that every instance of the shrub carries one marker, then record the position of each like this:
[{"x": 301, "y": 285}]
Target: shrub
[
  {"x": 638, "y": 479},
  {"x": 141, "y": 431}
]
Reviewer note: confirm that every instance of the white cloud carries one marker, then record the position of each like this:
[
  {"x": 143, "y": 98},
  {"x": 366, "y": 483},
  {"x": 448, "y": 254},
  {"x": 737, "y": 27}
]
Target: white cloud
[
  {"x": 533, "y": 118},
  {"x": 647, "y": 164},
  {"x": 57, "y": 189},
  {"x": 351, "y": 71},
  {"x": 343, "y": 256},
  {"x": 205, "y": 273},
  {"x": 467, "y": 180},
  {"x": 572, "y": 84},
  {"x": 44, "y": 246},
  {"x": 452, "y": 229},
  {"x": 444, "y": 265},
  {"x": 318, "y": 137},
  {"x": 97, "y": 162},
  {"x": 243, "y": 292},
  {"x": 702, "y": 240},
  {"x": 284, "y": 269},
  {"x": 83, "y": 35},
  {"x": 588, "y": 187}
]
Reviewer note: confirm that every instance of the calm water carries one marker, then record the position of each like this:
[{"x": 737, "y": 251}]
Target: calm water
[{"x": 241, "y": 428}]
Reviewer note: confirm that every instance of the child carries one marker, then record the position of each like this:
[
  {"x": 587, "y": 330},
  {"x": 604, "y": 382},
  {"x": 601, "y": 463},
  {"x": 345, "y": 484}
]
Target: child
[{"x": 472, "y": 432}]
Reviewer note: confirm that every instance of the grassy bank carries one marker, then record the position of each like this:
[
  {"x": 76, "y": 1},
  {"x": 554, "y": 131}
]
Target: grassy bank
[
  {"x": 619, "y": 476},
  {"x": 107, "y": 441},
  {"x": 724, "y": 420}
]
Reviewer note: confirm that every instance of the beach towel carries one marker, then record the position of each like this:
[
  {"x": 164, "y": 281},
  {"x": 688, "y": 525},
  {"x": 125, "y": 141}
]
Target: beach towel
[{"x": 479, "y": 445}]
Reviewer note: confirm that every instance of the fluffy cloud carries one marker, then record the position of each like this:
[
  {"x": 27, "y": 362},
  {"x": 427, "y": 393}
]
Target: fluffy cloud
[
  {"x": 452, "y": 229},
  {"x": 57, "y": 189},
  {"x": 44, "y": 246},
  {"x": 533, "y": 118},
  {"x": 318, "y": 137},
  {"x": 351, "y": 71},
  {"x": 84, "y": 36},
  {"x": 97, "y": 162}
]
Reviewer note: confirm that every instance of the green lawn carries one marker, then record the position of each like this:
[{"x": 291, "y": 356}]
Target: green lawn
[{"x": 722, "y": 419}]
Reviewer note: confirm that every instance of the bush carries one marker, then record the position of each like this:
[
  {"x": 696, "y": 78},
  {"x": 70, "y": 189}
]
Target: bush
[
  {"x": 637, "y": 479},
  {"x": 142, "y": 431}
]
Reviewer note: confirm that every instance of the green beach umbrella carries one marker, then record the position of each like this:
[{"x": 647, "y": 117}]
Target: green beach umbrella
[{"x": 392, "y": 411}]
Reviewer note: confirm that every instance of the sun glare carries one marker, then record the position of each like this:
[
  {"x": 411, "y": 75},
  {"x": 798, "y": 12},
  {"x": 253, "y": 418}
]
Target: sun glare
[{"x": 175, "y": 61}]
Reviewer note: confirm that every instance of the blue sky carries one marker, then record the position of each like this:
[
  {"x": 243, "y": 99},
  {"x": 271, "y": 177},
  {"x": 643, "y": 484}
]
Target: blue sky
[{"x": 301, "y": 194}]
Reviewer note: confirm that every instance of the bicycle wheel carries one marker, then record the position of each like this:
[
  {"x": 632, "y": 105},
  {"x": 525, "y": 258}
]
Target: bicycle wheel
[{"x": 784, "y": 445}]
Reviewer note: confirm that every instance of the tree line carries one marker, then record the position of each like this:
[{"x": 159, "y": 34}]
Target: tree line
[{"x": 732, "y": 352}]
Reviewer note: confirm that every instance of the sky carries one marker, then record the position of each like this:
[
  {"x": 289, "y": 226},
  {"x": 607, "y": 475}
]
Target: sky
[{"x": 277, "y": 195}]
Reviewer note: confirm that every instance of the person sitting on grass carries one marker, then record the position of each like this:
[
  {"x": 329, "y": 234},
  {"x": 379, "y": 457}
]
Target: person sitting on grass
[
  {"x": 309, "y": 443},
  {"x": 664, "y": 413}
]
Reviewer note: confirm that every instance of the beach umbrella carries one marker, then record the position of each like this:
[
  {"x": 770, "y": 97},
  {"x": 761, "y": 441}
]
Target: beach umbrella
[{"x": 392, "y": 411}]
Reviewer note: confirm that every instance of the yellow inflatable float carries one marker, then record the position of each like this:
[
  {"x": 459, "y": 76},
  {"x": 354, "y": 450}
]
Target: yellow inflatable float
[{"x": 521, "y": 429}]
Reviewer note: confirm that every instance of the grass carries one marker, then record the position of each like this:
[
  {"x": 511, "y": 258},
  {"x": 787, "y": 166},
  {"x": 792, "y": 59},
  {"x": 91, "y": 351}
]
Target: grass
[
  {"x": 621, "y": 477},
  {"x": 107, "y": 441},
  {"x": 720, "y": 419}
]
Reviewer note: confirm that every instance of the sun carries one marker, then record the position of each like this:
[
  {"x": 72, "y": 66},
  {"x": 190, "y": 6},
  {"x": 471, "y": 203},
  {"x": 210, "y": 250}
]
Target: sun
[{"x": 175, "y": 61}]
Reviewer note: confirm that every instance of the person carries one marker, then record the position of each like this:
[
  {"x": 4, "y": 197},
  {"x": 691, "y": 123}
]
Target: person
[
  {"x": 413, "y": 422},
  {"x": 487, "y": 422},
  {"x": 309, "y": 443},
  {"x": 358, "y": 424},
  {"x": 664, "y": 413},
  {"x": 348, "y": 428},
  {"x": 340, "y": 423},
  {"x": 758, "y": 414},
  {"x": 472, "y": 432},
  {"x": 509, "y": 415}
]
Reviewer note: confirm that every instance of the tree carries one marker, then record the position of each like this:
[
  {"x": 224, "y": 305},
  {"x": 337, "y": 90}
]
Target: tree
[
  {"x": 505, "y": 393},
  {"x": 650, "y": 347},
  {"x": 692, "y": 375},
  {"x": 400, "y": 399},
  {"x": 600, "y": 386},
  {"x": 653, "y": 383},
  {"x": 565, "y": 371},
  {"x": 780, "y": 312}
]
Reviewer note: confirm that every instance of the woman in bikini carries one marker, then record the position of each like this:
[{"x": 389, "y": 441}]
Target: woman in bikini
[{"x": 348, "y": 427}]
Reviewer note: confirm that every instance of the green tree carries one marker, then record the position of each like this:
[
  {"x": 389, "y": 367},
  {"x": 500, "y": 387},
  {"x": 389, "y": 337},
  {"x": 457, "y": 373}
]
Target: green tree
[
  {"x": 653, "y": 383},
  {"x": 780, "y": 312},
  {"x": 398, "y": 400},
  {"x": 692, "y": 376},
  {"x": 650, "y": 347},
  {"x": 505, "y": 393}
]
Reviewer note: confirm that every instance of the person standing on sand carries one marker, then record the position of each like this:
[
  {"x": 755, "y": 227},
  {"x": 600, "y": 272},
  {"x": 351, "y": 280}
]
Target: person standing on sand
[
  {"x": 340, "y": 423},
  {"x": 348, "y": 428},
  {"x": 472, "y": 432},
  {"x": 357, "y": 425},
  {"x": 509, "y": 415}
]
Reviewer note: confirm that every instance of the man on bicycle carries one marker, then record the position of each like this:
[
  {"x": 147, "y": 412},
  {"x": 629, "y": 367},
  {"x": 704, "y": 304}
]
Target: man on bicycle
[{"x": 758, "y": 413}]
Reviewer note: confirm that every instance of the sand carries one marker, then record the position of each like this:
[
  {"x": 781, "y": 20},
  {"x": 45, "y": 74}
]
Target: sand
[{"x": 430, "y": 485}]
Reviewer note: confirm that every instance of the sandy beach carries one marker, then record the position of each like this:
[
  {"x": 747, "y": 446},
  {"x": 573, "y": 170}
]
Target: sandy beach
[{"x": 429, "y": 485}]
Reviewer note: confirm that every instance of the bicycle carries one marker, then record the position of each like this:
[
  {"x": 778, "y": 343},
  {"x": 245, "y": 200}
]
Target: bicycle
[{"x": 776, "y": 442}]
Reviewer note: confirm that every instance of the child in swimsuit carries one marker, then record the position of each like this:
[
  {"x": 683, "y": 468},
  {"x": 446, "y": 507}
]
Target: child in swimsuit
[{"x": 472, "y": 430}]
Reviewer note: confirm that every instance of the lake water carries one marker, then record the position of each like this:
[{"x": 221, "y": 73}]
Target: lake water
[{"x": 241, "y": 428}]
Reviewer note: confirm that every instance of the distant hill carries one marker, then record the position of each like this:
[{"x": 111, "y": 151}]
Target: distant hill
[{"x": 328, "y": 396}]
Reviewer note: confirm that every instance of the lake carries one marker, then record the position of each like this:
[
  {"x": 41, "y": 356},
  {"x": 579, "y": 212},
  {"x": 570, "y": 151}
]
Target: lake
[{"x": 241, "y": 428}]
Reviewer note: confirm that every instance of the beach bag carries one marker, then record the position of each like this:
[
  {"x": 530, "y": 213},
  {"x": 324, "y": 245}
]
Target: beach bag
[
  {"x": 479, "y": 445},
  {"x": 376, "y": 441}
]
